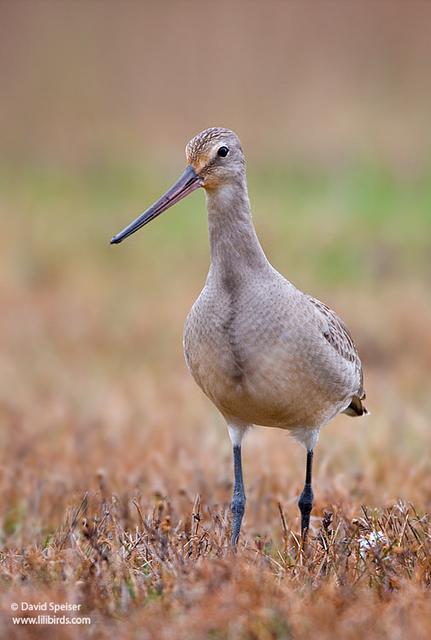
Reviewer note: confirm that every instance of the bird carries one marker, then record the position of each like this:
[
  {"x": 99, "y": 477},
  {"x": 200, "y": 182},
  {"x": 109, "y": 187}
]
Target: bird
[{"x": 265, "y": 353}]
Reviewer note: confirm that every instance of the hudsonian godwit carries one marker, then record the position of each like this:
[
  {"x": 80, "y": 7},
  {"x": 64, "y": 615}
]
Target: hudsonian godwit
[{"x": 264, "y": 352}]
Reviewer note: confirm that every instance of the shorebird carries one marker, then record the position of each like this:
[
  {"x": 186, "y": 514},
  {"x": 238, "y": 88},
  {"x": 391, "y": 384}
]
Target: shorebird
[{"x": 263, "y": 351}]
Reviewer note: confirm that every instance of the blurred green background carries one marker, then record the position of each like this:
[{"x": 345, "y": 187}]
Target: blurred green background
[{"x": 332, "y": 102}]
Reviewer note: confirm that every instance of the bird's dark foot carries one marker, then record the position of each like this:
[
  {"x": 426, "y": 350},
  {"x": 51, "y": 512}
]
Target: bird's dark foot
[
  {"x": 305, "y": 505},
  {"x": 237, "y": 508}
]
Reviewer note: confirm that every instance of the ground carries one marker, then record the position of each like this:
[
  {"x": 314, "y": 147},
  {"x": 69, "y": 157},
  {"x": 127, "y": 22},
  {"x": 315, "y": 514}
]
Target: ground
[{"x": 116, "y": 471}]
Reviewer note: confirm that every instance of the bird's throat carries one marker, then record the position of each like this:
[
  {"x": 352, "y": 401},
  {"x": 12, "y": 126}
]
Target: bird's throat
[{"x": 233, "y": 240}]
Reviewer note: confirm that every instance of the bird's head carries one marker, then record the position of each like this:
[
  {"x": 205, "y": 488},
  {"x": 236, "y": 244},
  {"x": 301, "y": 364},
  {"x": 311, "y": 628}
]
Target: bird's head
[{"x": 214, "y": 157}]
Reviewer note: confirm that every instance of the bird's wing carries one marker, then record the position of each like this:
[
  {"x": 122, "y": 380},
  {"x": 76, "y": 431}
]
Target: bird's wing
[{"x": 338, "y": 336}]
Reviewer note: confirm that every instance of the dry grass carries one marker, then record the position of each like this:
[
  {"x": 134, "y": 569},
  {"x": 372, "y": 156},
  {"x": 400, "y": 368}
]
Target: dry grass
[
  {"x": 150, "y": 566},
  {"x": 115, "y": 472},
  {"x": 155, "y": 568}
]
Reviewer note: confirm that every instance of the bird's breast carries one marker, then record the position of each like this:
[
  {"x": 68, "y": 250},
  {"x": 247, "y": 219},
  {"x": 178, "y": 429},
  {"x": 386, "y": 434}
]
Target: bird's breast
[
  {"x": 253, "y": 355},
  {"x": 213, "y": 348}
]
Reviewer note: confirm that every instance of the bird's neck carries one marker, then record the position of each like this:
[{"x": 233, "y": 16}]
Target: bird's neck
[{"x": 233, "y": 240}]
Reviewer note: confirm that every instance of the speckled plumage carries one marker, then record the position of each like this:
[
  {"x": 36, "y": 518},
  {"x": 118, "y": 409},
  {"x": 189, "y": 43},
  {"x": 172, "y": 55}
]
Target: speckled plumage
[
  {"x": 264, "y": 352},
  {"x": 200, "y": 142}
]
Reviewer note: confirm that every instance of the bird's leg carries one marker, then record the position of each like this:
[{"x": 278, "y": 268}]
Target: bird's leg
[
  {"x": 305, "y": 502},
  {"x": 238, "y": 498},
  {"x": 236, "y": 433}
]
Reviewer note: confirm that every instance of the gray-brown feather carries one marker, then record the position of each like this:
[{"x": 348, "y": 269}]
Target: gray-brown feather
[
  {"x": 340, "y": 339},
  {"x": 264, "y": 352}
]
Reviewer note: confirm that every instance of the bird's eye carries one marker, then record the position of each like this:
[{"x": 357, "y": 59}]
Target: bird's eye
[{"x": 223, "y": 151}]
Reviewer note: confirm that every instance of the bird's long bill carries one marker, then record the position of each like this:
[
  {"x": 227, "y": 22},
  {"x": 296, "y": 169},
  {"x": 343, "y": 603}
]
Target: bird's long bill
[{"x": 186, "y": 184}]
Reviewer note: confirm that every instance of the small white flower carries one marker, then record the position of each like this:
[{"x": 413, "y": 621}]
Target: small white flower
[{"x": 370, "y": 542}]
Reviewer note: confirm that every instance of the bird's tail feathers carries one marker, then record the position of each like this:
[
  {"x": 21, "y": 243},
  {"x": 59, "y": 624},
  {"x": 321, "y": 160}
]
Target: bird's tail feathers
[{"x": 356, "y": 407}]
